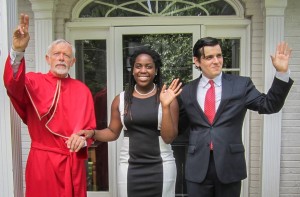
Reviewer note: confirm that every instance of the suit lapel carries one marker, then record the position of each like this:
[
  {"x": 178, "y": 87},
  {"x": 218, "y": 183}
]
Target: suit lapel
[
  {"x": 227, "y": 88},
  {"x": 193, "y": 97}
]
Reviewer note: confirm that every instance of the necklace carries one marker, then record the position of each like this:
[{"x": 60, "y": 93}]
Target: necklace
[{"x": 154, "y": 86}]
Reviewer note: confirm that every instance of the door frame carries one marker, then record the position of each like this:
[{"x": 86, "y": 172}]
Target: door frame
[
  {"x": 113, "y": 35},
  {"x": 231, "y": 31},
  {"x": 242, "y": 32},
  {"x": 99, "y": 33}
]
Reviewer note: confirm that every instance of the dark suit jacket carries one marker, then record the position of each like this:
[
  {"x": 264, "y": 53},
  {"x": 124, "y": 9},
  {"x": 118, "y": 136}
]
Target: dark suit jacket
[{"x": 238, "y": 95}]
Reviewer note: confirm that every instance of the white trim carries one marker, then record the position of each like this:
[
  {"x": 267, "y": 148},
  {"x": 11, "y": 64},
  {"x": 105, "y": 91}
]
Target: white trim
[
  {"x": 271, "y": 145},
  {"x": 11, "y": 180},
  {"x": 44, "y": 31},
  {"x": 78, "y": 7},
  {"x": 6, "y": 174},
  {"x": 237, "y": 6},
  {"x": 74, "y": 33},
  {"x": 168, "y": 20},
  {"x": 111, "y": 74}
]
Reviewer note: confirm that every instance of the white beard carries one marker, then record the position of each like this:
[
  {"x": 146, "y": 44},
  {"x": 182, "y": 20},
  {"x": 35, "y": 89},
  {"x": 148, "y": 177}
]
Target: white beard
[{"x": 61, "y": 71}]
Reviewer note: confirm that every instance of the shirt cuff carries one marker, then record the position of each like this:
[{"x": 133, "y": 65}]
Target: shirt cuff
[
  {"x": 16, "y": 56},
  {"x": 15, "y": 59},
  {"x": 283, "y": 76}
]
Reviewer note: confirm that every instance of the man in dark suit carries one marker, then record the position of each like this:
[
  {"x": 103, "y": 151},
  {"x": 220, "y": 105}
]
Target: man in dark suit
[{"x": 215, "y": 162}]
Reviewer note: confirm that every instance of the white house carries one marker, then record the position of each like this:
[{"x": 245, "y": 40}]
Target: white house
[{"x": 106, "y": 31}]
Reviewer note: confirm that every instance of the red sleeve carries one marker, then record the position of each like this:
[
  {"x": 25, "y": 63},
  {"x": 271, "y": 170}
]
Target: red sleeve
[{"x": 15, "y": 86}]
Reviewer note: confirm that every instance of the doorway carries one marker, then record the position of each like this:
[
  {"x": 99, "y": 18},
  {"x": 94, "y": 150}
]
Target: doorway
[{"x": 108, "y": 48}]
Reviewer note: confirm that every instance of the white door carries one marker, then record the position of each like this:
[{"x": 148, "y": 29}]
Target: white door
[{"x": 91, "y": 67}]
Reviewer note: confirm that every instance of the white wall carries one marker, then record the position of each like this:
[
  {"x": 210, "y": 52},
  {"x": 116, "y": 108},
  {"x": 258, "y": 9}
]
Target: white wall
[
  {"x": 290, "y": 150},
  {"x": 6, "y": 175},
  {"x": 254, "y": 10},
  {"x": 10, "y": 141},
  {"x": 24, "y": 6}
]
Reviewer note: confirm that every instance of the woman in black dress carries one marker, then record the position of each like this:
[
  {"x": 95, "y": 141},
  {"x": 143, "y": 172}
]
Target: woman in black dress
[{"x": 148, "y": 113}]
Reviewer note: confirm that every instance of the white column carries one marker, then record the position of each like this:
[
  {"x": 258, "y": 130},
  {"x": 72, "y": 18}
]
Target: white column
[
  {"x": 11, "y": 181},
  {"x": 43, "y": 31},
  {"x": 274, "y": 33}
]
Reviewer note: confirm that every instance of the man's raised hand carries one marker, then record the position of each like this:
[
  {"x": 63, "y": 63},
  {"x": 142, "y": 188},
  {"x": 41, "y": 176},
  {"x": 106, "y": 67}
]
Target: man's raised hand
[
  {"x": 21, "y": 35},
  {"x": 281, "y": 59}
]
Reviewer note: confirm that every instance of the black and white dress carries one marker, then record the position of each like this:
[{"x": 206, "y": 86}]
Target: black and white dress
[{"x": 147, "y": 166}]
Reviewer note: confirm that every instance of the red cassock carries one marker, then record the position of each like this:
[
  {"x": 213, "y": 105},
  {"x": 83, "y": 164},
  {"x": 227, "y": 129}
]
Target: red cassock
[{"x": 53, "y": 109}]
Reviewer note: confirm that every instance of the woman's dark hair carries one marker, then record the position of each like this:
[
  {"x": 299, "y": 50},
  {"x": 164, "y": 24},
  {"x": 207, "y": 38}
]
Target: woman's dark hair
[{"x": 157, "y": 79}]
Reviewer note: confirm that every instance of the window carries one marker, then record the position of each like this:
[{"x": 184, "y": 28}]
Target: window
[
  {"x": 153, "y": 8},
  {"x": 231, "y": 55},
  {"x": 91, "y": 68}
]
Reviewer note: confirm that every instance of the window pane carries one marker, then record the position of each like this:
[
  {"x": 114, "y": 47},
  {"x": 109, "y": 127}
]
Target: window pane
[
  {"x": 219, "y": 8},
  {"x": 136, "y": 8},
  {"x": 91, "y": 69},
  {"x": 231, "y": 55}
]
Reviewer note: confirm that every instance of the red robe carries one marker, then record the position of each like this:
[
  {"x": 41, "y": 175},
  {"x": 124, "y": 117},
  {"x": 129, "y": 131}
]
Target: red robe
[{"x": 53, "y": 109}]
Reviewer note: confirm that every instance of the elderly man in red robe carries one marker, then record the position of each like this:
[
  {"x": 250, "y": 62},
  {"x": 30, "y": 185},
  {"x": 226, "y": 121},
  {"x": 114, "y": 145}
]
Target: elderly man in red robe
[{"x": 54, "y": 107}]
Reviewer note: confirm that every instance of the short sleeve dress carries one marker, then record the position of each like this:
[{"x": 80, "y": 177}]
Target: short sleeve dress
[{"x": 147, "y": 166}]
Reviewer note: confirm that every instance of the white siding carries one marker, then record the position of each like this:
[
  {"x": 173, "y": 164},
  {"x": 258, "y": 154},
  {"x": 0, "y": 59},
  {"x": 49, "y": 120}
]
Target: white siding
[
  {"x": 290, "y": 150},
  {"x": 63, "y": 14},
  {"x": 253, "y": 10},
  {"x": 25, "y": 7},
  {"x": 6, "y": 161}
]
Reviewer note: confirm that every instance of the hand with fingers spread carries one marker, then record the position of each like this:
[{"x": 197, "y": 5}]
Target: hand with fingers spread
[
  {"x": 21, "y": 36},
  {"x": 281, "y": 59},
  {"x": 167, "y": 95}
]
